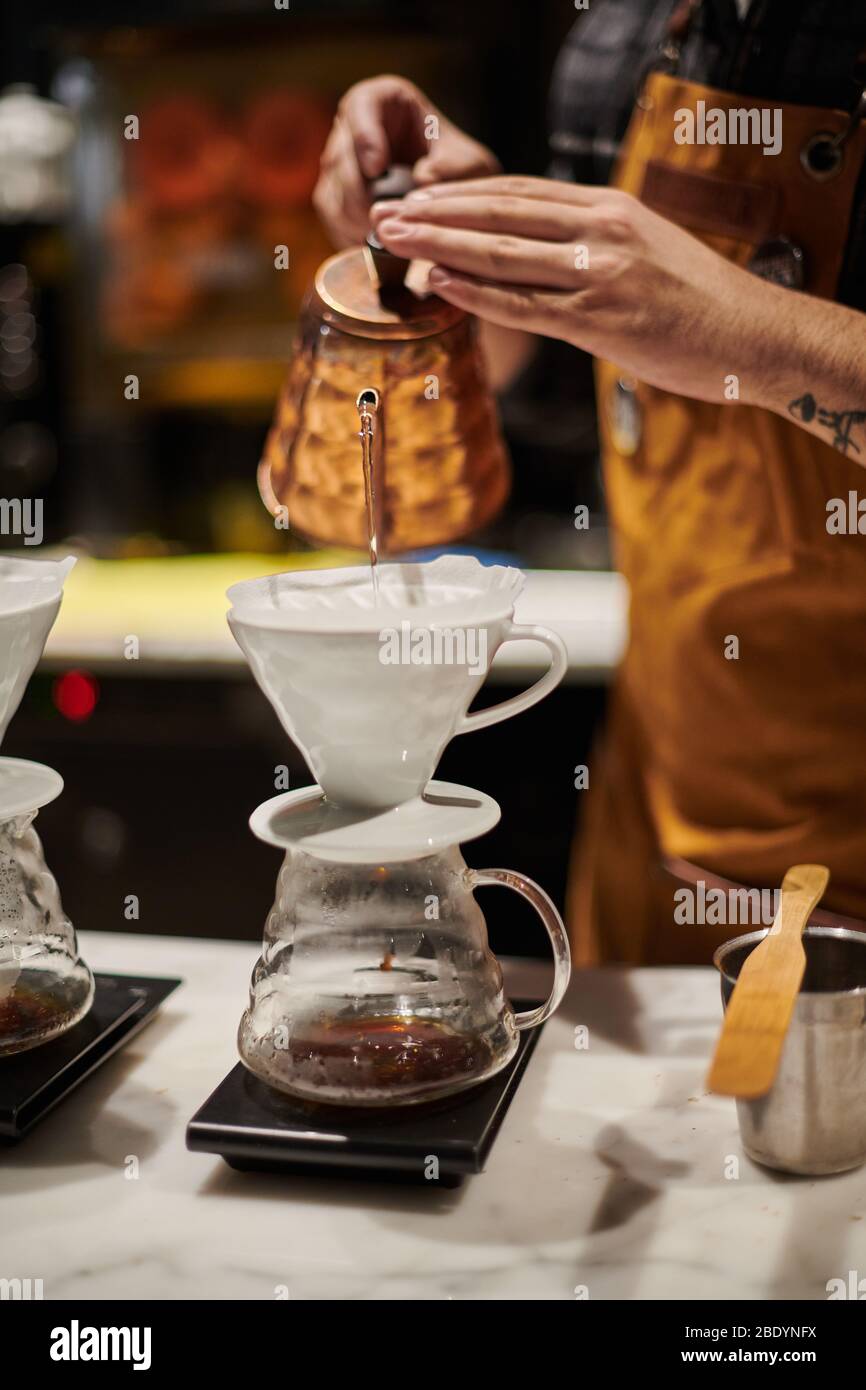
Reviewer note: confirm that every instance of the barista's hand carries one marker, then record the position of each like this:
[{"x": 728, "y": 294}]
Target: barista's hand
[
  {"x": 380, "y": 122},
  {"x": 592, "y": 266}
]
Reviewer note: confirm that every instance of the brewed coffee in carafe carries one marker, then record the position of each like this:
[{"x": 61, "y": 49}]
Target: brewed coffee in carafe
[{"x": 383, "y": 1057}]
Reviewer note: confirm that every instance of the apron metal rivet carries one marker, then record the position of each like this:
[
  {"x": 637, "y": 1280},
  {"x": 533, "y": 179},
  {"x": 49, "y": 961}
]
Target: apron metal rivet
[
  {"x": 781, "y": 262},
  {"x": 822, "y": 156},
  {"x": 625, "y": 417}
]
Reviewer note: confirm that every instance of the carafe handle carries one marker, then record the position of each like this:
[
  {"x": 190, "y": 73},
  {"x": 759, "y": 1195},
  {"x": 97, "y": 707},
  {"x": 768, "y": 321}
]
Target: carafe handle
[
  {"x": 480, "y": 878},
  {"x": 523, "y": 632}
]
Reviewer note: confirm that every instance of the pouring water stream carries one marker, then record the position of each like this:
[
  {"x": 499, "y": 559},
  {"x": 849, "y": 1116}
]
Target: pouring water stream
[{"x": 368, "y": 406}]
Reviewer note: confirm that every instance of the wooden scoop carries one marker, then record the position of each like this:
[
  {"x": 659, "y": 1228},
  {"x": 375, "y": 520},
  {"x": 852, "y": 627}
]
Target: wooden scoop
[{"x": 759, "y": 1010}]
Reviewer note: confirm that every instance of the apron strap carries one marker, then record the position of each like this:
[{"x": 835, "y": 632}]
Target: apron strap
[
  {"x": 665, "y": 57},
  {"x": 667, "y": 54}
]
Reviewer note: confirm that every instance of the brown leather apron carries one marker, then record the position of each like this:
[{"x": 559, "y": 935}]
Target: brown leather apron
[{"x": 744, "y": 766}]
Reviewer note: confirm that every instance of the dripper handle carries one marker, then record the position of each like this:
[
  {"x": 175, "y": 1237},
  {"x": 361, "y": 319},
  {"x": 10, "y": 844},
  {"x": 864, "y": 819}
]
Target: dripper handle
[
  {"x": 523, "y": 632},
  {"x": 546, "y": 909}
]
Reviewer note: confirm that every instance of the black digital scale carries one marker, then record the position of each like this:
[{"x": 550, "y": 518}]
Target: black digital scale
[
  {"x": 33, "y": 1082},
  {"x": 257, "y": 1129}
]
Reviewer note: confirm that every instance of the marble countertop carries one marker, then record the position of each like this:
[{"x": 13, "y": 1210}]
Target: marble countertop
[{"x": 611, "y": 1175}]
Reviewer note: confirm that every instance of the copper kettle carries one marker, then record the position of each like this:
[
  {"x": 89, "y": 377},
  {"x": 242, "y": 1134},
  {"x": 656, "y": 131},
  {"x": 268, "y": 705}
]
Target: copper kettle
[{"x": 441, "y": 467}]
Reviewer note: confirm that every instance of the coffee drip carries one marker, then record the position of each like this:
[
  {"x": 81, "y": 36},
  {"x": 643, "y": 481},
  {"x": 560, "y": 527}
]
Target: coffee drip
[{"x": 376, "y": 985}]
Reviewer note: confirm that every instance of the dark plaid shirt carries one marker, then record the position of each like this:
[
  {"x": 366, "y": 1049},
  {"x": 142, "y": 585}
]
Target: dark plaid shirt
[{"x": 805, "y": 52}]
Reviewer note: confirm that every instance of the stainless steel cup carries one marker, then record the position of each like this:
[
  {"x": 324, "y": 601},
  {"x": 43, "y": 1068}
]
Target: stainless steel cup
[{"x": 814, "y": 1118}]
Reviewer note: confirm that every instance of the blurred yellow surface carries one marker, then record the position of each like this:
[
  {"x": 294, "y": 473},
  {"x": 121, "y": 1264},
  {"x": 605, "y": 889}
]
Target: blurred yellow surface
[{"x": 174, "y": 605}]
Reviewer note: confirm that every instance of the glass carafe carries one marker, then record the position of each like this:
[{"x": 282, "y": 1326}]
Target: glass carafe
[
  {"x": 376, "y": 985},
  {"x": 45, "y": 986}
]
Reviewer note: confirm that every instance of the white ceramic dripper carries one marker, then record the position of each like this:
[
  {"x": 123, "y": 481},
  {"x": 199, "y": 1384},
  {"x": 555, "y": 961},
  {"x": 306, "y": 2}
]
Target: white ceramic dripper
[
  {"x": 30, "y": 595},
  {"x": 44, "y": 985},
  {"x": 371, "y": 690}
]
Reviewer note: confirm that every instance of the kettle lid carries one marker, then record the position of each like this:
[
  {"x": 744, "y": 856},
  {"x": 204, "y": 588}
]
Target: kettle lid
[{"x": 350, "y": 293}]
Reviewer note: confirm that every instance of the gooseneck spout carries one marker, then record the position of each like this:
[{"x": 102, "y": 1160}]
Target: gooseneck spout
[{"x": 367, "y": 404}]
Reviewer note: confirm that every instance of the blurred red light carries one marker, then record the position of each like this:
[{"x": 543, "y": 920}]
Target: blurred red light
[{"x": 75, "y": 694}]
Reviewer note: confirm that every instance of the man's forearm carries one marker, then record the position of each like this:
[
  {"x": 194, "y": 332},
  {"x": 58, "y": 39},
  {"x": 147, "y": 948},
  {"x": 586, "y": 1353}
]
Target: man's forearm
[
  {"x": 808, "y": 363},
  {"x": 643, "y": 293},
  {"x": 506, "y": 352}
]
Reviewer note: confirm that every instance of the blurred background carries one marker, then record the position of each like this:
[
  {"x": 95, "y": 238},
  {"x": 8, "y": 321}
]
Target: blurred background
[{"x": 153, "y": 258}]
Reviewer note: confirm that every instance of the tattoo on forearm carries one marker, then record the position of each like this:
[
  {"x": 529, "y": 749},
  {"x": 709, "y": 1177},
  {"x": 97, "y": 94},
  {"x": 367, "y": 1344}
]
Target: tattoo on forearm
[{"x": 840, "y": 423}]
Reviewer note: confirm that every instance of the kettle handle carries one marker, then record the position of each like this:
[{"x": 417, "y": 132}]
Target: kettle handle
[
  {"x": 390, "y": 270},
  {"x": 396, "y": 182},
  {"x": 546, "y": 909},
  {"x": 523, "y": 632}
]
